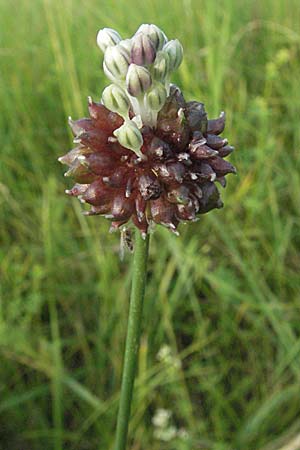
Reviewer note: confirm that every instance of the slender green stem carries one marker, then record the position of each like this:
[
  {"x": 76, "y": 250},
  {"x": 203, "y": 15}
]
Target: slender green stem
[{"x": 133, "y": 337}]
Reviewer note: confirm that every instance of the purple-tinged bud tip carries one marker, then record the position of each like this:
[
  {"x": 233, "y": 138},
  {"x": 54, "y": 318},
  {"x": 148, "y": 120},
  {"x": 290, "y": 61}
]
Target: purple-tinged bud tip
[{"x": 142, "y": 51}]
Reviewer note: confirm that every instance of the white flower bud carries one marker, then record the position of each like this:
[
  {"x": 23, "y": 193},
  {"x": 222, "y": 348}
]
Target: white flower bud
[
  {"x": 175, "y": 52},
  {"x": 116, "y": 63},
  {"x": 138, "y": 80},
  {"x": 156, "y": 35},
  {"x": 115, "y": 99},
  {"x": 161, "y": 418},
  {"x": 156, "y": 97},
  {"x": 129, "y": 136},
  {"x": 126, "y": 44},
  {"x": 107, "y": 37},
  {"x": 161, "y": 66}
]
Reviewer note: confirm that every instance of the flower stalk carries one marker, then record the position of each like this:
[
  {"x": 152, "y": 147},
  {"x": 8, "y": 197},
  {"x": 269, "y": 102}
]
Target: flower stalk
[{"x": 133, "y": 337}]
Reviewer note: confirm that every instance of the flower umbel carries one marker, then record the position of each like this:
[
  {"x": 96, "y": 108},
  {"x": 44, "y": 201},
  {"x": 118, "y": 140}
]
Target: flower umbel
[{"x": 146, "y": 155}]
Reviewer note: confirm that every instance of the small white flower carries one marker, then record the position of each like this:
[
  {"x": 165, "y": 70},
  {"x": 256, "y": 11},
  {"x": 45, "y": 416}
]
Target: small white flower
[
  {"x": 166, "y": 434},
  {"x": 164, "y": 353},
  {"x": 165, "y": 356},
  {"x": 161, "y": 417}
]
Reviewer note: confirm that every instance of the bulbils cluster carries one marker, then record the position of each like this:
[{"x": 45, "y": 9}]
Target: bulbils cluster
[
  {"x": 173, "y": 179},
  {"x": 140, "y": 70}
]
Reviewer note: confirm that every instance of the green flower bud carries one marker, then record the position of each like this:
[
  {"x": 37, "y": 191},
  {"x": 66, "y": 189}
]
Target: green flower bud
[
  {"x": 107, "y": 37},
  {"x": 161, "y": 66},
  {"x": 138, "y": 80},
  {"x": 156, "y": 97},
  {"x": 129, "y": 136},
  {"x": 115, "y": 99},
  {"x": 156, "y": 35},
  {"x": 175, "y": 52},
  {"x": 142, "y": 50},
  {"x": 116, "y": 63}
]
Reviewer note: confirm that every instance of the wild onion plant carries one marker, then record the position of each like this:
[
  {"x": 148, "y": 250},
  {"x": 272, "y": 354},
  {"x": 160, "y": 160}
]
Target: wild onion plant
[{"x": 145, "y": 156}]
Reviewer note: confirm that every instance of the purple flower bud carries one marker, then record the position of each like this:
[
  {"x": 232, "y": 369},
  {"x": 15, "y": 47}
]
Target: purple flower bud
[{"x": 142, "y": 51}]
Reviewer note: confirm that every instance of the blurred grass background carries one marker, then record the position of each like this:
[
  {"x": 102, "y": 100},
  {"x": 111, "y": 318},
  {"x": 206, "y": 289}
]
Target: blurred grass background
[{"x": 221, "y": 338}]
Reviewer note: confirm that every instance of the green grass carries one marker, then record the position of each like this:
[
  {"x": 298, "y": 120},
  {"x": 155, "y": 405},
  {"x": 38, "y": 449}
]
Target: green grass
[{"x": 224, "y": 297}]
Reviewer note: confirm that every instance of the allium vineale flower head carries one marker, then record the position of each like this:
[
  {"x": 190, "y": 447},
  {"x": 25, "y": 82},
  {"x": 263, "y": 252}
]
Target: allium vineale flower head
[{"x": 145, "y": 155}]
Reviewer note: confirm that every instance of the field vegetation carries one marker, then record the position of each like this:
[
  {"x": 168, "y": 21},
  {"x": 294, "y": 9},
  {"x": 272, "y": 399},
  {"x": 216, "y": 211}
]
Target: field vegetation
[{"x": 221, "y": 334}]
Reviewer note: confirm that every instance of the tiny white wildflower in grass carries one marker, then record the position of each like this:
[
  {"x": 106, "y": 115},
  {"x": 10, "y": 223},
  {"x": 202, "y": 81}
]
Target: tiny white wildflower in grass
[
  {"x": 166, "y": 356},
  {"x": 165, "y": 434},
  {"x": 161, "y": 417}
]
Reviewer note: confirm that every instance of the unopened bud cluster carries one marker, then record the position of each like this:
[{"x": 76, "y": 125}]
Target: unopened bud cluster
[
  {"x": 140, "y": 70},
  {"x": 145, "y": 155}
]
